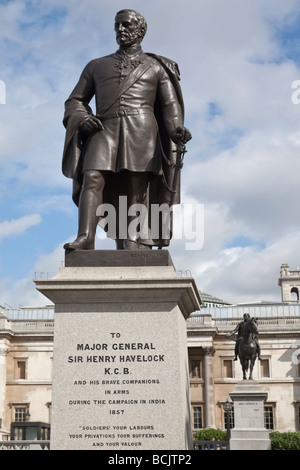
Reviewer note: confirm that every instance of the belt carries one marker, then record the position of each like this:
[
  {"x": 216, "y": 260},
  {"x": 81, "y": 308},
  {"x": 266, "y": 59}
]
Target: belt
[{"x": 125, "y": 112}]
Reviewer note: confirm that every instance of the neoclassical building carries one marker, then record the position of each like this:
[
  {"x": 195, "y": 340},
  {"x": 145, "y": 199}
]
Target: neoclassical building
[
  {"x": 213, "y": 371},
  {"x": 26, "y": 353}
]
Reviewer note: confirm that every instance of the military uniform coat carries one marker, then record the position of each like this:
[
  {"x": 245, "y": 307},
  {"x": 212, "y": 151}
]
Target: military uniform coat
[{"x": 137, "y": 126}]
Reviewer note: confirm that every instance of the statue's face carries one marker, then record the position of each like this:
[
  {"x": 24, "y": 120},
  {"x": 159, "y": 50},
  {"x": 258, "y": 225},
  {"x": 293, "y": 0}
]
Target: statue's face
[{"x": 127, "y": 29}]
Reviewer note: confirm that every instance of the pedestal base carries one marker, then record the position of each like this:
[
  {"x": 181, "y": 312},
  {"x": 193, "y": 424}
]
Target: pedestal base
[
  {"x": 249, "y": 432},
  {"x": 256, "y": 439},
  {"x": 120, "y": 379}
]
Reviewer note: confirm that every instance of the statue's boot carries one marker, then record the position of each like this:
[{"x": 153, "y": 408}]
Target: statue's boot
[
  {"x": 82, "y": 242},
  {"x": 130, "y": 245},
  {"x": 90, "y": 199},
  {"x": 86, "y": 231},
  {"x": 145, "y": 247}
]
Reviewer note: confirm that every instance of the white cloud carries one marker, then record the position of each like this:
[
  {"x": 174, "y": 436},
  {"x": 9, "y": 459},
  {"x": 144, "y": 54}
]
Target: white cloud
[{"x": 18, "y": 226}]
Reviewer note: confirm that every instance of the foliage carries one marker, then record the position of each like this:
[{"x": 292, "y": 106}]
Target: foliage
[
  {"x": 279, "y": 440},
  {"x": 209, "y": 434},
  {"x": 285, "y": 440}
]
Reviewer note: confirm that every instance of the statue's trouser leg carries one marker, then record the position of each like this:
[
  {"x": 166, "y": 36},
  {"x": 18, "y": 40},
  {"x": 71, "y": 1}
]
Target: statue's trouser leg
[
  {"x": 91, "y": 197},
  {"x": 236, "y": 349},
  {"x": 137, "y": 185}
]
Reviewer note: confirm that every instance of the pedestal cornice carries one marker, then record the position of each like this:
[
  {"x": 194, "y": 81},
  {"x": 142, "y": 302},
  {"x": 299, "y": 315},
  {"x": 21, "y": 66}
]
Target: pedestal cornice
[{"x": 114, "y": 284}]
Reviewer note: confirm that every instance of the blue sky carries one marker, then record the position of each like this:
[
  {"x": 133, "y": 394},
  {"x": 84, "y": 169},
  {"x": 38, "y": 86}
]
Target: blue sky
[{"x": 238, "y": 60}]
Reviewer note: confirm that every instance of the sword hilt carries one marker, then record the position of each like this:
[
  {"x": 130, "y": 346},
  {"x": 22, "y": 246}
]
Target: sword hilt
[{"x": 181, "y": 151}]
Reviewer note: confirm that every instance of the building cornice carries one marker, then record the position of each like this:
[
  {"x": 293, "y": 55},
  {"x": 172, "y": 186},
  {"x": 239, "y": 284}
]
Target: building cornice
[
  {"x": 30, "y": 337},
  {"x": 7, "y": 334}
]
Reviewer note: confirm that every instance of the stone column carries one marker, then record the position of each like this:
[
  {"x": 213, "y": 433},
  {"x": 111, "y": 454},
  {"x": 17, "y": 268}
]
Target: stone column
[
  {"x": 3, "y": 353},
  {"x": 209, "y": 387}
]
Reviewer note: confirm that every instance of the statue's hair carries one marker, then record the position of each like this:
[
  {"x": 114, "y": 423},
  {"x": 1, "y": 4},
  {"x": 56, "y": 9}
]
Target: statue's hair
[{"x": 141, "y": 20}]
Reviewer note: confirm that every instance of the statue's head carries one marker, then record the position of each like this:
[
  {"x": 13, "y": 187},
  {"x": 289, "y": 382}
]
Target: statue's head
[
  {"x": 130, "y": 27},
  {"x": 246, "y": 316}
]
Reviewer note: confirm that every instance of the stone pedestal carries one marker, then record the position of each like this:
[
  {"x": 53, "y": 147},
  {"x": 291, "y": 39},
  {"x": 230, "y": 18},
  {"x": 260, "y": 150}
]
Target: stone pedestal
[
  {"x": 249, "y": 432},
  {"x": 120, "y": 378}
]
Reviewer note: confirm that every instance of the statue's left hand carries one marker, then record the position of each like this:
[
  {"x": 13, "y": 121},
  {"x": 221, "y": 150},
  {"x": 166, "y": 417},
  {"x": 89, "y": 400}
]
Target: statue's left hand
[
  {"x": 90, "y": 125},
  {"x": 181, "y": 134}
]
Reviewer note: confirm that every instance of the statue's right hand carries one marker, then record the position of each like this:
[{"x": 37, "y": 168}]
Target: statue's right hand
[{"x": 92, "y": 124}]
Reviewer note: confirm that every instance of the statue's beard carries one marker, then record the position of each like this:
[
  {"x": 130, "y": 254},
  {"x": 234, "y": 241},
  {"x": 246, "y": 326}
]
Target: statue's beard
[{"x": 128, "y": 39}]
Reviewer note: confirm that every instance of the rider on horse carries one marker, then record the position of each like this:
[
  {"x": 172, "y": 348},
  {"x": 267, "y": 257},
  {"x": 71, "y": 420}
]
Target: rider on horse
[{"x": 240, "y": 331}]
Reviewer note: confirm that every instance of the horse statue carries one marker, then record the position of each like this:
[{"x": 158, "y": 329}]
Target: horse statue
[
  {"x": 247, "y": 349},
  {"x": 247, "y": 346}
]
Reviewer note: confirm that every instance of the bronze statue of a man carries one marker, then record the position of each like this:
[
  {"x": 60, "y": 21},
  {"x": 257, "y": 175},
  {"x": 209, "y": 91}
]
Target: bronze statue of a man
[
  {"x": 239, "y": 329},
  {"x": 128, "y": 148}
]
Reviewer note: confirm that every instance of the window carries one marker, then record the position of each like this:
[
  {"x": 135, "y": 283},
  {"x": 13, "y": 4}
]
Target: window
[
  {"x": 195, "y": 369},
  {"x": 269, "y": 418},
  {"x": 20, "y": 413},
  {"x": 30, "y": 431},
  {"x": 197, "y": 417},
  {"x": 19, "y": 434},
  {"x": 45, "y": 434},
  {"x": 20, "y": 368},
  {"x": 294, "y": 294},
  {"x": 231, "y": 418},
  {"x": 227, "y": 368},
  {"x": 264, "y": 368}
]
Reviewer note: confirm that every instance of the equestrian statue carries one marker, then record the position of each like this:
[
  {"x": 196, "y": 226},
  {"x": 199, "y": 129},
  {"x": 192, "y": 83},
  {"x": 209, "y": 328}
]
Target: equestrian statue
[{"x": 247, "y": 346}]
